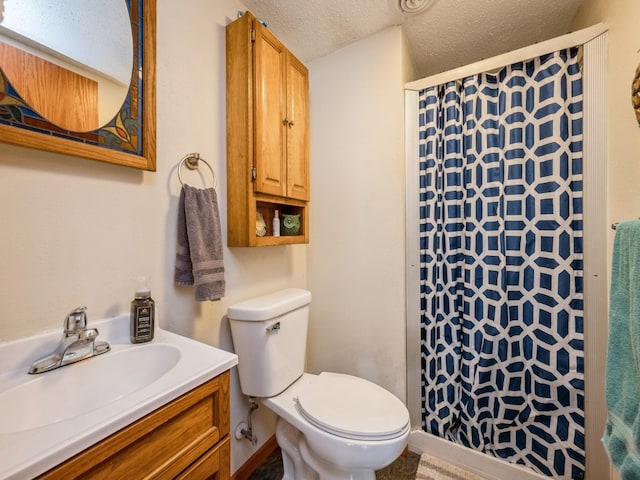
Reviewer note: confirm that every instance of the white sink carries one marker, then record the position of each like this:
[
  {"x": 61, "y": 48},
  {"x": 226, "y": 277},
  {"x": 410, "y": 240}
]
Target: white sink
[
  {"x": 102, "y": 382},
  {"x": 49, "y": 417}
]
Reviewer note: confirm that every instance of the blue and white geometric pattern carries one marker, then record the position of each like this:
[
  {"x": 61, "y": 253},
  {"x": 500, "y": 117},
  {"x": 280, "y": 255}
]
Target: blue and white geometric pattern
[{"x": 501, "y": 263}]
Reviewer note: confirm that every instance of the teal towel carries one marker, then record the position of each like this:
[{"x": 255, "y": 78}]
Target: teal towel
[{"x": 622, "y": 431}]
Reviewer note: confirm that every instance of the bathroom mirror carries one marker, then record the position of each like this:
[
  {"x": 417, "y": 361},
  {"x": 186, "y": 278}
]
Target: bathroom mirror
[{"x": 53, "y": 101}]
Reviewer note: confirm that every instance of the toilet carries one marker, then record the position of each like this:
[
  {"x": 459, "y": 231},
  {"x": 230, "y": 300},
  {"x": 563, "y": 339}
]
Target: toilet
[{"x": 329, "y": 426}]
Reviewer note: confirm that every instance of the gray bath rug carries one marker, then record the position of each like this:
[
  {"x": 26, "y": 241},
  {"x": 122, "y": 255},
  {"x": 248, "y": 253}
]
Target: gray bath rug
[{"x": 432, "y": 468}]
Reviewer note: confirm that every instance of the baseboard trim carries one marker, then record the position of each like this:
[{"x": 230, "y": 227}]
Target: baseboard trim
[{"x": 251, "y": 465}]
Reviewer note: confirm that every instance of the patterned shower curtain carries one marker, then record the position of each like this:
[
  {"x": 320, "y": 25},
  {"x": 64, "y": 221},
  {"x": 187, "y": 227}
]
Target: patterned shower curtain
[{"x": 501, "y": 263}]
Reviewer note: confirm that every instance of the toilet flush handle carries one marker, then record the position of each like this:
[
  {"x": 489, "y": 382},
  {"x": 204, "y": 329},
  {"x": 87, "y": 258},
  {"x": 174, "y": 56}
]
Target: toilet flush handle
[{"x": 273, "y": 327}]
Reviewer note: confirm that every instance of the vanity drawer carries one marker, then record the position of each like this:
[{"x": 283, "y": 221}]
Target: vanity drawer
[
  {"x": 213, "y": 465},
  {"x": 170, "y": 442}
]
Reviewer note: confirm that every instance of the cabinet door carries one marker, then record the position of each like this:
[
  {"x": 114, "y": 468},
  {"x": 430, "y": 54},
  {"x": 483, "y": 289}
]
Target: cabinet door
[
  {"x": 297, "y": 150},
  {"x": 270, "y": 62},
  {"x": 176, "y": 436}
]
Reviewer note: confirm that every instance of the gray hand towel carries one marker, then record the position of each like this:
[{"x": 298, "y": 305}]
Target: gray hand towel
[{"x": 199, "y": 250}]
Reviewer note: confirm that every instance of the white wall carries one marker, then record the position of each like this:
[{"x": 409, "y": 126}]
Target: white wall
[
  {"x": 78, "y": 232},
  {"x": 356, "y": 254},
  {"x": 623, "y": 132}
]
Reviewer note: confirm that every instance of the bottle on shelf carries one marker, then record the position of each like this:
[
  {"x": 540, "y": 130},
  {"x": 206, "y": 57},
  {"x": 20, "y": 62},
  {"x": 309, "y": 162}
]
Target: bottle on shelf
[{"x": 276, "y": 225}]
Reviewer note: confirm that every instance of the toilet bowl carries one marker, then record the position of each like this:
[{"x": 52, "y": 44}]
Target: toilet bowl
[
  {"x": 330, "y": 426},
  {"x": 347, "y": 443}
]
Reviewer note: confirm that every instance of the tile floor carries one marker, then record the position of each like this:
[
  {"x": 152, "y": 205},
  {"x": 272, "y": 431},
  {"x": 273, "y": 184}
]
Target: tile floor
[{"x": 404, "y": 468}]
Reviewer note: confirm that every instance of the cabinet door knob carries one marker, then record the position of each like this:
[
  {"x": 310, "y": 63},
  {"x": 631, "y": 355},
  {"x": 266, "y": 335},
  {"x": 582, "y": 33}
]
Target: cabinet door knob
[
  {"x": 285, "y": 122},
  {"x": 290, "y": 124}
]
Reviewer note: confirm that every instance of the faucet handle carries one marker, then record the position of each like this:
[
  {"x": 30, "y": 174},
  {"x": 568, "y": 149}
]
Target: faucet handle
[{"x": 76, "y": 320}]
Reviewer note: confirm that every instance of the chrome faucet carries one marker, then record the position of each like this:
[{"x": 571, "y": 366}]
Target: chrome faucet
[{"x": 77, "y": 343}]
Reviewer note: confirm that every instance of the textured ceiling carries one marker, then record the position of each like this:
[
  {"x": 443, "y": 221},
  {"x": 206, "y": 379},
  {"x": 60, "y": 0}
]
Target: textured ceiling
[{"x": 450, "y": 33}]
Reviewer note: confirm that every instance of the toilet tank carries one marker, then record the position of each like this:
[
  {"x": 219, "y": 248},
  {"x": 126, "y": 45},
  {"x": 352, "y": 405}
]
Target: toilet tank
[{"x": 270, "y": 338}]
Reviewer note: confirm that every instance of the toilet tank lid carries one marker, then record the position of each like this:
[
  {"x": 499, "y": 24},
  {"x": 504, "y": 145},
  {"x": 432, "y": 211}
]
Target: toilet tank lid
[{"x": 270, "y": 306}]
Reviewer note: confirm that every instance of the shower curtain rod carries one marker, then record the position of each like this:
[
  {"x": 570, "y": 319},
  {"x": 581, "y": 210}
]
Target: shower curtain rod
[{"x": 578, "y": 37}]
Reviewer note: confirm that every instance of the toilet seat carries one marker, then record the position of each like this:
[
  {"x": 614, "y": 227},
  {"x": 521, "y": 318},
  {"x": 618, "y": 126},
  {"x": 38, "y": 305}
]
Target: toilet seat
[{"x": 352, "y": 407}]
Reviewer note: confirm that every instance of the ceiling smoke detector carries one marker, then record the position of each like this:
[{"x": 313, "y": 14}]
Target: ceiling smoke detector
[{"x": 411, "y": 7}]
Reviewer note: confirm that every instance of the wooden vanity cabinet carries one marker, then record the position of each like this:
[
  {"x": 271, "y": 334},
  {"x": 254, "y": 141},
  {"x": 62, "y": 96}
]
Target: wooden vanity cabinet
[
  {"x": 187, "y": 439},
  {"x": 267, "y": 134}
]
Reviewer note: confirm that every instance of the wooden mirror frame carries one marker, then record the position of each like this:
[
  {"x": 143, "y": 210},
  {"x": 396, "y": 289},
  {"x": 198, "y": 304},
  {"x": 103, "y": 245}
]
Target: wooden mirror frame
[{"x": 129, "y": 139}]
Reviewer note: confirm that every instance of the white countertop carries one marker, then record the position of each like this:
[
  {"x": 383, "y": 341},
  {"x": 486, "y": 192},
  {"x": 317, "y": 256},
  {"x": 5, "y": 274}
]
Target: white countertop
[{"x": 39, "y": 436}]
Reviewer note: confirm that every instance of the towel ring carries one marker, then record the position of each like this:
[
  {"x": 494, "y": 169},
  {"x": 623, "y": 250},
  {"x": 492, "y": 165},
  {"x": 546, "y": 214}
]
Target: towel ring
[{"x": 191, "y": 161}]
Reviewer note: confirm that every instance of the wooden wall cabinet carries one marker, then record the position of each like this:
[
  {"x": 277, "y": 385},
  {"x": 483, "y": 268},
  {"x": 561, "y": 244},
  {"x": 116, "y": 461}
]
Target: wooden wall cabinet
[
  {"x": 267, "y": 134},
  {"x": 186, "y": 439}
]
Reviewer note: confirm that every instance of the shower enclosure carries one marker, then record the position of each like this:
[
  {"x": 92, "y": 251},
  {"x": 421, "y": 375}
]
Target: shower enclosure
[{"x": 497, "y": 253}]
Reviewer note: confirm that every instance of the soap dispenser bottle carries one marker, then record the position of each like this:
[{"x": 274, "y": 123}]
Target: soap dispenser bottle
[
  {"x": 276, "y": 225},
  {"x": 142, "y": 316}
]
